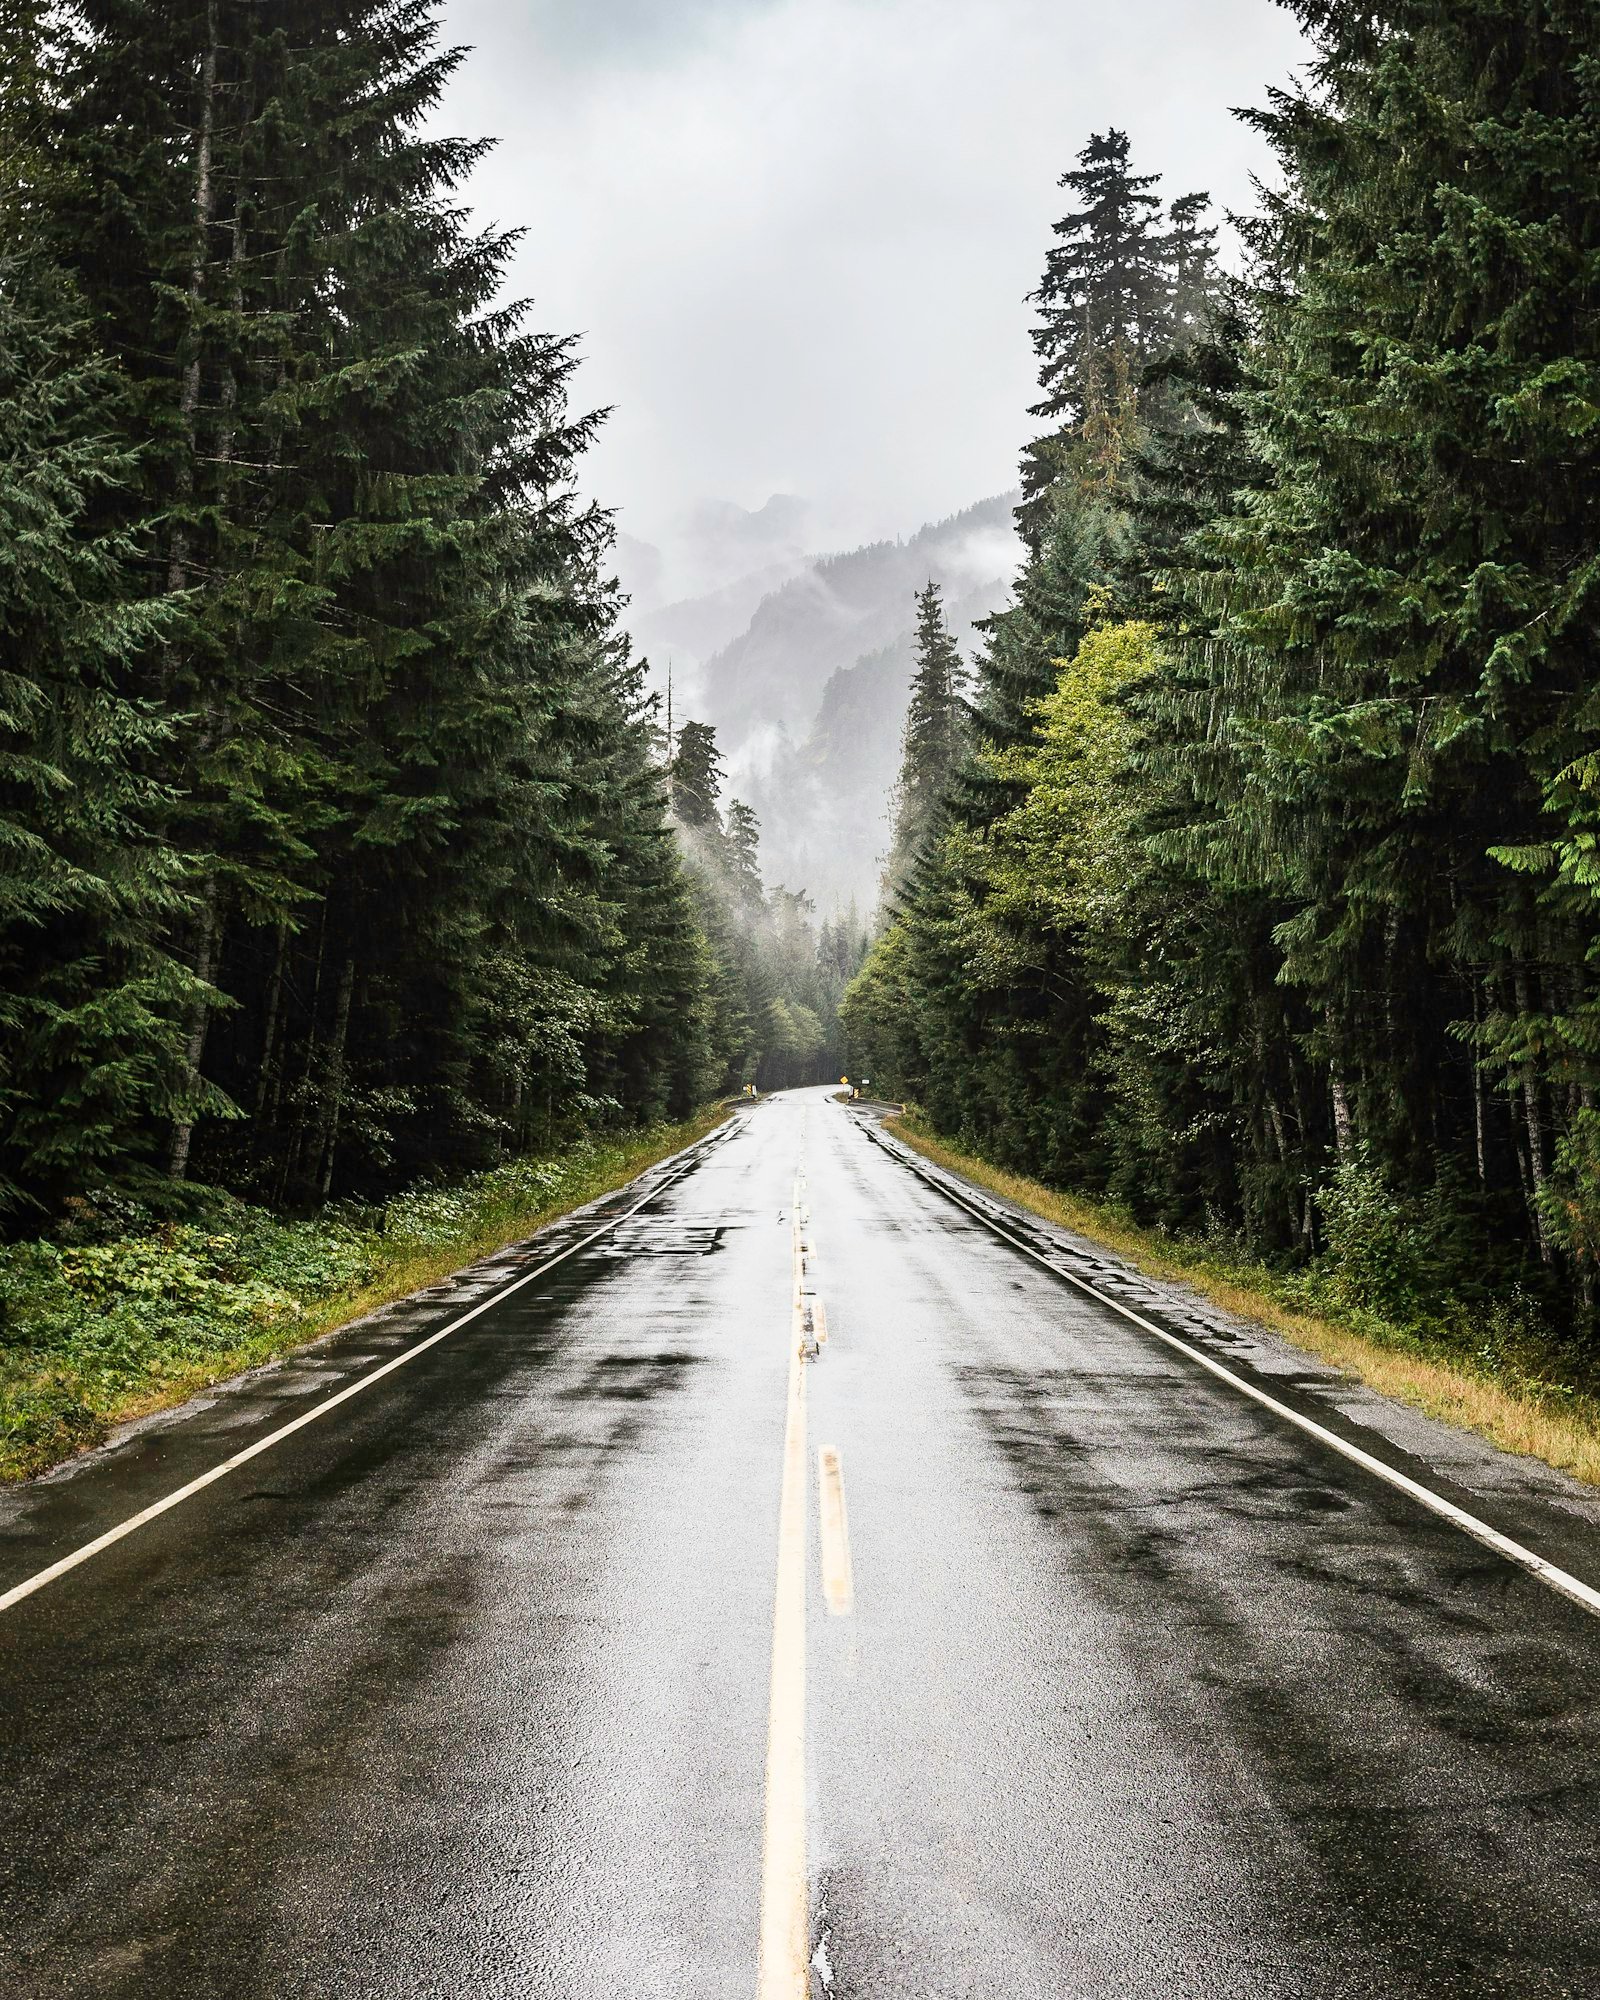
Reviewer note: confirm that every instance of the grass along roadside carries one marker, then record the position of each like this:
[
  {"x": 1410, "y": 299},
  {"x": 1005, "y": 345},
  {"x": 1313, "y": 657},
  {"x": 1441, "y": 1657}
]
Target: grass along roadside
[
  {"x": 1516, "y": 1400},
  {"x": 120, "y": 1315}
]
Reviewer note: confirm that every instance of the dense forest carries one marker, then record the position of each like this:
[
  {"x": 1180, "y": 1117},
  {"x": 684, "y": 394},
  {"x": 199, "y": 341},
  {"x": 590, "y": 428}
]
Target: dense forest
[
  {"x": 336, "y": 844},
  {"x": 1263, "y": 903}
]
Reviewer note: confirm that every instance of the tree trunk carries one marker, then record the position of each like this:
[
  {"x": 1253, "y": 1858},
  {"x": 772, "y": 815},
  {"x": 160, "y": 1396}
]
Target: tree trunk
[
  {"x": 1480, "y": 1097},
  {"x": 189, "y": 383},
  {"x": 333, "y": 1075},
  {"x": 293, "y": 1151},
  {"x": 1280, "y": 1140},
  {"x": 196, "y": 1023},
  {"x": 266, "y": 1084},
  {"x": 1343, "y": 1127},
  {"x": 1533, "y": 1125}
]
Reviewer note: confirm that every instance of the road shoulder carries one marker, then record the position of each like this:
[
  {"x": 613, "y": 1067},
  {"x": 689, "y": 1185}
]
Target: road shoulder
[{"x": 1521, "y": 1494}]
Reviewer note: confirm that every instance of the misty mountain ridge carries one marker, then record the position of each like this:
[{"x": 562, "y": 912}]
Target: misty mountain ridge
[
  {"x": 842, "y": 607},
  {"x": 713, "y": 546},
  {"x": 808, "y": 694}
]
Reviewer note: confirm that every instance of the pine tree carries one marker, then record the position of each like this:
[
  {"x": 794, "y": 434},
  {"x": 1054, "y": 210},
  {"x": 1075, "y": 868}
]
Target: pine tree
[
  {"x": 741, "y": 858},
  {"x": 408, "y": 755},
  {"x": 1103, "y": 310},
  {"x": 89, "y": 1052},
  {"x": 89, "y": 1049},
  {"x": 696, "y": 773},
  {"x": 1412, "y": 610},
  {"x": 933, "y": 744}
]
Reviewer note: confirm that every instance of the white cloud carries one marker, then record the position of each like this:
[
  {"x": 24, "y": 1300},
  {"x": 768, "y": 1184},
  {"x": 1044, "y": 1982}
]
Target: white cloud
[{"x": 797, "y": 233}]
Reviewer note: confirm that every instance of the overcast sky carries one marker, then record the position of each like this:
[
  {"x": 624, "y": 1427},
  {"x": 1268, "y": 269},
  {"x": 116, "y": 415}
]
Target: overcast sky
[{"x": 796, "y": 234}]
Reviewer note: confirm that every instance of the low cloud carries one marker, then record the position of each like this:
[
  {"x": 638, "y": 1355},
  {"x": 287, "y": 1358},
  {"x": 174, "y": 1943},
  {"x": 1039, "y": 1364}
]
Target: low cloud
[{"x": 796, "y": 234}]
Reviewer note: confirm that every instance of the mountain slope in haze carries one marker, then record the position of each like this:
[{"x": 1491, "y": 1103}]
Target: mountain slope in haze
[
  {"x": 841, "y": 608},
  {"x": 805, "y": 676},
  {"x": 825, "y": 805},
  {"x": 689, "y": 631}
]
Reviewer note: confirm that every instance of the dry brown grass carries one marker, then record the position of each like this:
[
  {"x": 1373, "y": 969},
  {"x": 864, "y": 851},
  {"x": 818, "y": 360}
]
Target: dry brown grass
[{"x": 1560, "y": 1427}]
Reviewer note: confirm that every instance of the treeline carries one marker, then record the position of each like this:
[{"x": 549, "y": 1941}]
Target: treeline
[
  {"x": 775, "y": 980},
  {"x": 1266, "y": 901},
  {"x": 334, "y": 840}
]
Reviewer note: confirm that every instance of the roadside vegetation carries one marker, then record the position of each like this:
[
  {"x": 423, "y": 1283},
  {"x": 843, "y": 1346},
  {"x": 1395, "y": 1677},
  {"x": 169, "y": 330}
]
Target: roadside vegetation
[
  {"x": 132, "y": 1305},
  {"x": 341, "y": 844},
  {"x": 1378, "y": 1303},
  {"x": 1259, "y": 902}
]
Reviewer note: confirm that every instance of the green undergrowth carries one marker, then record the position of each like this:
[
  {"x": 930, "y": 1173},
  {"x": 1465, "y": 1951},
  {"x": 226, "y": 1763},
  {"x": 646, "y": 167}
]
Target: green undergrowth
[
  {"x": 1373, "y": 1304},
  {"x": 121, "y": 1312}
]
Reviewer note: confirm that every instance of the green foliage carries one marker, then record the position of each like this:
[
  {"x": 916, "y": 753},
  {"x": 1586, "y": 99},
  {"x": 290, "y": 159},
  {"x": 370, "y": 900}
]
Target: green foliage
[
  {"x": 933, "y": 748},
  {"x": 775, "y": 982},
  {"x": 127, "y": 1305},
  {"x": 1285, "y": 931},
  {"x": 332, "y": 849},
  {"x": 1382, "y": 1248},
  {"x": 89, "y": 989}
]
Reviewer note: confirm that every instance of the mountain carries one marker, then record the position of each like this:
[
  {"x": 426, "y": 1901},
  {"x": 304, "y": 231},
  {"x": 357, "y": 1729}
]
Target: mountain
[
  {"x": 711, "y": 548},
  {"x": 842, "y": 607},
  {"x": 825, "y": 806},
  {"x": 808, "y": 691},
  {"x": 690, "y": 630}
]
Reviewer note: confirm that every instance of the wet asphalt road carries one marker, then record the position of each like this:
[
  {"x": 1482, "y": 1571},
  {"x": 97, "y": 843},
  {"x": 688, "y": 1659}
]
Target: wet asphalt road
[{"x": 464, "y": 1689}]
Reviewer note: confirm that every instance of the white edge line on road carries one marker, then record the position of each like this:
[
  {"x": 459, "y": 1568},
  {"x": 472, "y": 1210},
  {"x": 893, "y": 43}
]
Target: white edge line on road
[
  {"x": 1525, "y": 1558},
  {"x": 29, "y": 1585}
]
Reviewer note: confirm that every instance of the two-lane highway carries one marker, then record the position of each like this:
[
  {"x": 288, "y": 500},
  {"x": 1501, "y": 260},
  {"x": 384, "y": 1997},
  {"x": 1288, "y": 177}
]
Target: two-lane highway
[{"x": 994, "y": 1642}]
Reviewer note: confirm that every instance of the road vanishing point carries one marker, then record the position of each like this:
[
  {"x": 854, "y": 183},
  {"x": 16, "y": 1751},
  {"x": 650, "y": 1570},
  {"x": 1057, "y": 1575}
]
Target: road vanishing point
[{"x": 799, "y": 1575}]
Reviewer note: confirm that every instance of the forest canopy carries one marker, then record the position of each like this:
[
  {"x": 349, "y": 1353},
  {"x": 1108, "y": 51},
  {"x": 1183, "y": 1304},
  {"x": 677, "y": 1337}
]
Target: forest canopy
[
  {"x": 1264, "y": 904},
  {"x": 336, "y": 844}
]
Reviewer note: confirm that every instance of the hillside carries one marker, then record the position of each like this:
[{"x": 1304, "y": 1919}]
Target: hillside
[
  {"x": 843, "y": 607},
  {"x": 809, "y": 697}
]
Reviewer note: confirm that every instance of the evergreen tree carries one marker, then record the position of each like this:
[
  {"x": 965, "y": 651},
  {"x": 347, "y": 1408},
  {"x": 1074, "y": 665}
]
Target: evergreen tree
[
  {"x": 1411, "y": 607},
  {"x": 933, "y": 744},
  {"x": 1104, "y": 306},
  {"x": 1347, "y": 950},
  {"x": 89, "y": 1050},
  {"x": 696, "y": 773},
  {"x": 430, "y": 900},
  {"x": 741, "y": 858}
]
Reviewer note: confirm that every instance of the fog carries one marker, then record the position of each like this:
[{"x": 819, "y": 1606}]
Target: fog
[
  {"x": 796, "y": 235},
  {"x": 796, "y": 238}
]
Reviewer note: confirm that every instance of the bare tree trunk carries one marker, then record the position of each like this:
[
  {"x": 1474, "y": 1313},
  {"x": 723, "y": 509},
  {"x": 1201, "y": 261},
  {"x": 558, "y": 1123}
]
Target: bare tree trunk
[
  {"x": 204, "y": 212},
  {"x": 296, "y": 1146},
  {"x": 1280, "y": 1140},
  {"x": 333, "y": 1086},
  {"x": 196, "y": 1023},
  {"x": 1308, "y": 1213},
  {"x": 1533, "y": 1125},
  {"x": 1343, "y": 1127},
  {"x": 269, "y": 1039},
  {"x": 1480, "y": 1104},
  {"x": 1344, "y": 1137},
  {"x": 228, "y": 401}
]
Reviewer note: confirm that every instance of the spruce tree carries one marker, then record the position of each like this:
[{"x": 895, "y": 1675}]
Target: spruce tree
[
  {"x": 90, "y": 1055},
  {"x": 1103, "y": 308},
  {"x": 408, "y": 754},
  {"x": 1411, "y": 608},
  {"x": 696, "y": 773},
  {"x": 933, "y": 744},
  {"x": 89, "y": 1047}
]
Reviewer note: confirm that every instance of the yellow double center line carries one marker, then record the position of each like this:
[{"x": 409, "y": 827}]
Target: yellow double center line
[
  {"x": 785, "y": 1899},
  {"x": 784, "y": 1972}
]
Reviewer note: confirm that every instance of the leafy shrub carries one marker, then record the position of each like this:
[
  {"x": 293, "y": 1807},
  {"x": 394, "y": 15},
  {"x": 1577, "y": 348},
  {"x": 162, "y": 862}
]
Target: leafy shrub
[
  {"x": 1570, "y": 1198},
  {"x": 129, "y": 1294},
  {"x": 1377, "y": 1254}
]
